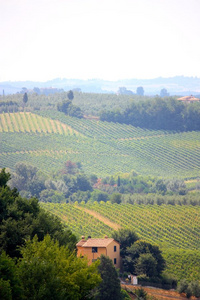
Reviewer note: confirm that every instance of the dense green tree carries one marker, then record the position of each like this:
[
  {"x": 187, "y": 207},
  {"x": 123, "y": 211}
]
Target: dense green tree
[
  {"x": 126, "y": 237},
  {"x": 21, "y": 219},
  {"x": 141, "y": 294},
  {"x": 93, "y": 179},
  {"x": 161, "y": 186},
  {"x": 64, "y": 106},
  {"x": 140, "y": 91},
  {"x": 10, "y": 284},
  {"x": 109, "y": 288},
  {"x": 125, "y": 295},
  {"x": 194, "y": 286},
  {"x": 25, "y": 98},
  {"x": 134, "y": 262},
  {"x": 158, "y": 113},
  {"x": 70, "y": 95},
  {"x": 5, "y": 290},
  {"x": 26, "y": 178},
  {"x": 75, "y": 111},
  {"x": 68, "y": 108},
  {"x": 52, "y": 196},
  {"x": 164, "y": 93},
  {"x": 146, "y": 264},
  {"x": 124, "y": 91},
  {"x": 116, "y": 198},
  {"x": 4, "y": 177},
  {"x": 98, "y": 196},
  {"x": 50, "y": 271},
  {"x": 189, "y": 288},
  {"x": 83, "y": 183}
]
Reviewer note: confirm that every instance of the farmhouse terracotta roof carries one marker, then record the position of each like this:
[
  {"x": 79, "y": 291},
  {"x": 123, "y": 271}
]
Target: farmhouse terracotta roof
[
  {"x": 95, "y": 242},
  {"x": 188, "y": 98}
]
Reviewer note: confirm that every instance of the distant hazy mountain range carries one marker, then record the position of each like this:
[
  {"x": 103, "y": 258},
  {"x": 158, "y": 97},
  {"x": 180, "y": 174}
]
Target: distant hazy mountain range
[{"x": 178, "y": 85}]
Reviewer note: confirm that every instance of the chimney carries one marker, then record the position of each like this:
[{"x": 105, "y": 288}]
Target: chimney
[
  {"x": 106, "y": 236},
  {"x": 89, "y": 236},
  {"x": 82, "y": 237}
]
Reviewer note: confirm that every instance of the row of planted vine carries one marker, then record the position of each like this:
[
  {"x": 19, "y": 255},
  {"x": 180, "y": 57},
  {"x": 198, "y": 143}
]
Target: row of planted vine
[
  {"x": 174, "y": 228},
  {"x": 169, "y": 151},
  {"x": 29, "y": 122},
  {"x": 182, "y": 263},
  {"x": 78, "y": 221},
  {"x": 171, "y": 226},
  {"x": 100, "y": 146}
]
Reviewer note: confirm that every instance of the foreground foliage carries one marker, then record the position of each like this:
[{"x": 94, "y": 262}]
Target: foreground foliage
[
  {"x": 37, "y": 255},
  {"x": 109, "y": 288},
  {"x": 48, "y": 271}
]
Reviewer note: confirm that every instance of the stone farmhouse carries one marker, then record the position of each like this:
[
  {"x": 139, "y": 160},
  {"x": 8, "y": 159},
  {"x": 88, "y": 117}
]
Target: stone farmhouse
[
  {"x": 93, "y": 248},
  {"x": 189, "y": 99}
]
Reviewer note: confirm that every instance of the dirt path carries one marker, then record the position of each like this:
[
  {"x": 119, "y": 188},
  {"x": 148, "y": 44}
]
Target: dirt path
[
  {"x": 101, "y": 218},
  {"x": 159, "y": 294}
]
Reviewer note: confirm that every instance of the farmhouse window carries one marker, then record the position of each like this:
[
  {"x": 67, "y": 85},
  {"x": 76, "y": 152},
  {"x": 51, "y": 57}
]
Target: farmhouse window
[
  {"x": 115, "y": 248},
  {"x": 115, "y": 261},
  {"x": 94, "y": 249}
]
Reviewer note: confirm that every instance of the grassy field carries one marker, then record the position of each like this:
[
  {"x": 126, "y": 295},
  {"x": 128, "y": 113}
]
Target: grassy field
[
  {"x": 174, "y": 228},
  {"x": 49, "y": 138}
]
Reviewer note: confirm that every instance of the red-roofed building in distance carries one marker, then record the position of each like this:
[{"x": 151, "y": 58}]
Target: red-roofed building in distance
[
  {"x": 188, "y": 99},
  {"x": 93, "y": 248}
]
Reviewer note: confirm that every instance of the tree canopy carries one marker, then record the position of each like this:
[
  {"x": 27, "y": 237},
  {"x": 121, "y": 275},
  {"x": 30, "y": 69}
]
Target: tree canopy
[
  {"x": 144, "y": 258},
  {"x": 109, "y": 288},
  {"x": 21, "y": 219},
  {"x": 50, "y": 271},
  {"x": 158, "y": 114},
  {"x": 126, "y": 237}
]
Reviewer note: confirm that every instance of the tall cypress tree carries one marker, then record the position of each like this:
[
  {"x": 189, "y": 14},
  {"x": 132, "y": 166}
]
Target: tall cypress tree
[{"x": 109, "y": 288}]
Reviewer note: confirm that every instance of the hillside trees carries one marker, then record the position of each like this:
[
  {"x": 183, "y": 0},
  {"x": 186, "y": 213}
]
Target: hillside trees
[
  {"x": 48, "y": 271},
  {"x": 21, "y": 218},
  {"x": 68, "y": 108},
  {"x": 189, "y": 288},
  {"x": 10, "y": 284},
  {"x": 144, "y": 258},
  {"x": 157, "y": 114},
  {"x": 139, "y": 257},
  {"x": 126, "y": 237},
  {"x": 27, "y": 178},
  {"x": 124, "y": 91},
  {"x": 8, "y": 106},
  {"x": 47, "y": 266},
  {"x": 31, "y": 183}
]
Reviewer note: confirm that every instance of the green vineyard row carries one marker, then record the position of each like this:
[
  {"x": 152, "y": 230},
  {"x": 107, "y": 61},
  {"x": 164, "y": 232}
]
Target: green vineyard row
[
  {"x": 50, "y": 138},
  {"x": 167, "y": 225},
  {"x": 174, "y": 228}
]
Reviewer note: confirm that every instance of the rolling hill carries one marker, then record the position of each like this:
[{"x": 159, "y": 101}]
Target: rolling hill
[
  {"x": 49, "y": 138},
  {"x": 174, "y": 228}
]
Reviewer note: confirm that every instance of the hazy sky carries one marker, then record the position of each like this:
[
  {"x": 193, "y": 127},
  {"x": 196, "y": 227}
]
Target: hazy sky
[{"x": 108, "y": 39}]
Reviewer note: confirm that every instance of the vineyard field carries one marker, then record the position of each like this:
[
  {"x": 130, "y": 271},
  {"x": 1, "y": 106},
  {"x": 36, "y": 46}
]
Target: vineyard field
[
  {"x": 49, "y": 138},
  {"x": 174, "y": 228}
]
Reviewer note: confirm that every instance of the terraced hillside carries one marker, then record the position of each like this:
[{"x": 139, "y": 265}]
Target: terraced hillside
[
  {"x": 174, "y": 228},
  {"x": 48, "y": 139}
]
